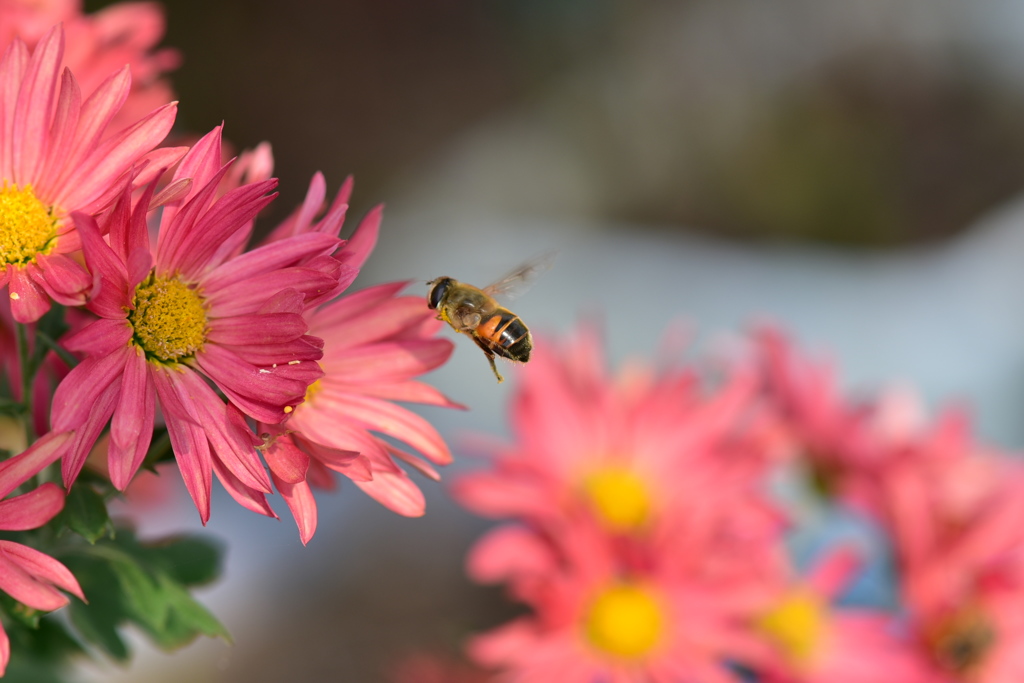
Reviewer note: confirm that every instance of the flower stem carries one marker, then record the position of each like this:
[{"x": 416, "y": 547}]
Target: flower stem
[{"x": 28, "y": 373}]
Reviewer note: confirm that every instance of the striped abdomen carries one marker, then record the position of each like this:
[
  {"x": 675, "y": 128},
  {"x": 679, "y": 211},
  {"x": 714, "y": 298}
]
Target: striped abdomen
[{"x": 505, "y": 335}]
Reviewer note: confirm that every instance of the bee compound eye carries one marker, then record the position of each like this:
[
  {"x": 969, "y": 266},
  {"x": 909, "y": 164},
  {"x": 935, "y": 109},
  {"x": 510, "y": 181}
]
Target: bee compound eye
[{"x": 437, "y": 293}]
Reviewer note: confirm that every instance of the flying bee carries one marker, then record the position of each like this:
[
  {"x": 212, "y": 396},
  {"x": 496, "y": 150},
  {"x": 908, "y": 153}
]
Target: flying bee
[{"x": 475, "y": 313}]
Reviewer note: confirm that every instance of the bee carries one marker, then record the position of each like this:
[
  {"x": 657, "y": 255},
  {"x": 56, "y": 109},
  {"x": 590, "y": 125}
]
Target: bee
[{"x": 475, "y": 313}]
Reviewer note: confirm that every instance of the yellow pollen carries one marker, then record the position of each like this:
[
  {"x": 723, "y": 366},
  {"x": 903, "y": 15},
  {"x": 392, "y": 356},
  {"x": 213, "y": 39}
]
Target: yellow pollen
[
  {"x": 625, "y": 621},
  {"x": 169, "y": 319},
  {"x": 619, "y": 497},
  {"x": 27, "y": 226},
  {"x": 796, "y": 625}
]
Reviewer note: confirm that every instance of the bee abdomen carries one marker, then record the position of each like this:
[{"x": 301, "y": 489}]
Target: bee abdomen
[{"x": 507, "y": 336}]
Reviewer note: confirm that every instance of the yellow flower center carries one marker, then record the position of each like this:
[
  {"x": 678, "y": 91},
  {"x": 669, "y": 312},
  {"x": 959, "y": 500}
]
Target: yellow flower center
[
  {"x": 619, "y": 497},
  {"x": 625, "y": 621},
  {"x": 796, "y": 625},
  {"x": 961, "y": 642},
  {"x": 312, "y": 390},
  {"x": 27, "y": 226},
  {"x": 169, "y": 319}
]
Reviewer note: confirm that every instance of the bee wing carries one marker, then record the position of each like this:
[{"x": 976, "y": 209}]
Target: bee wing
[{"x": 519, "y": 280}]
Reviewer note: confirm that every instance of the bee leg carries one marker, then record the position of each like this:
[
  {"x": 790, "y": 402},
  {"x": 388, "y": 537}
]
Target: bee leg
[{"x": 490, "y": 358}]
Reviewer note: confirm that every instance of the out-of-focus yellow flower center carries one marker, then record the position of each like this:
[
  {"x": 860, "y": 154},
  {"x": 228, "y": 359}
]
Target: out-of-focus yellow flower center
[
  {"x": 619, "y": 497},
  {"x": 625, "y": 621},
  {"x": 797, "y": 625},
  {"x": 961, "y": 642},
  {"x": 312, "y": 390},
  {"x": 169, "y": 319},
  {"x": 27, "y": 226}
]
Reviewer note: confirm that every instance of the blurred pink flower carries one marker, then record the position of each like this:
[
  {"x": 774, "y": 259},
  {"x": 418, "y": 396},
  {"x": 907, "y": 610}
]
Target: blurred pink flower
[
  {"x": 99, "y": 44},
  {"x": 375, "y": 344},
  {"x": 845, "y": 445},
  {"x": 27, "y": 575},
  {"x": 817, "y": 642},
  {"x": 956, "y": 517},
  {"x": 189, "y": 312},
  {"x": 591, "y": 621},
  {"x": 55, "y": 159},
  {"x": 658, "y": 463}
]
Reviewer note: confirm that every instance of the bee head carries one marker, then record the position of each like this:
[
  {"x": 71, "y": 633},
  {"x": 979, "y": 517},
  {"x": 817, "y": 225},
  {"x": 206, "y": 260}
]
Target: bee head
[{"x": 437, "y": 292}]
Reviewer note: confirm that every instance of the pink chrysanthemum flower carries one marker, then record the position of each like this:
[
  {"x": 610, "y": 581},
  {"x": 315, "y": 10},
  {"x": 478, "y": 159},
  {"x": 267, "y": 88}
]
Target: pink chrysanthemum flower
[
  {"x": 189, "y": 312},
  {"x": 957, "y": 520},
  {"x": 816, "y": 642},
  {"x": 99, "y": 44},
  {"x": 375, "y": 344},
  {"x": 27, "y": 575},
  {"x": 56, "y": 157},
  {"x": 845, "y": 446},
  {"x": 654, "y": 461},
  {"x": 592, "y": 621}
]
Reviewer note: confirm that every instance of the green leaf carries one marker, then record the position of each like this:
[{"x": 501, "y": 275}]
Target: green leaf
[
  {"x": 127, "y": 581},
  {"x": 85, "y": 513},
  {"x": 186, "y": 620},
  {"x": 142, "y": 595},
  {"x": 99, "y": 627},
  {"x": 97, "y": 621},
  {"x": 189, "y": 560}
]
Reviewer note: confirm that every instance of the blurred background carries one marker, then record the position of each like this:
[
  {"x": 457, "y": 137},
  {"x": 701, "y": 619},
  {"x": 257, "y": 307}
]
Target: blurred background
[{"x": 852, "y": 171}]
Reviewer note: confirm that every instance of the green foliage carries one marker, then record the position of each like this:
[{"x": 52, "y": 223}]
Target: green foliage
[
  {"x": 144, "y": 584},
  {"x": 40, "y": 654},
  {"x": 85, "y": 513}
]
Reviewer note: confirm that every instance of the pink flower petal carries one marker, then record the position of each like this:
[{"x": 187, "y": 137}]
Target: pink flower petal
[
  {"x": 390, "y": 361},
  {"x": 42, "y": 566},
  {"x": 34, "y": 107},
  {"x": 408, "y": 391},
  {"x": 105, "y": 165},
  {"x": 257, "y": 329},
  {"x": 232, "y": 447},
  {"x": 245, "y": 496},
  {"x": 5, "y": 650},
  {"x": 61, "y": 278},
  {"x": 201, "y": 164},
  {"x": 387, "y": 319},
  {"x": 63, "y": 129},
  {"x": 17, "y": 582},
  {"x": 387, "y": 418},
  {"x": 31, "y": 510},
  {"x": 261, "y": 392},
  {"x": 12, "y": 71},
  {"x": 395, "y": 491},
  {"x": 356, "y": 304},
  {"x": 131, "y": 428},
  {"x": 224, "y": 281},
  {"x": 507, "y": 552},
  {"x": 18, "y": 469},
  {"x": 94, "y": 117},
  {"x": 299, "y": 498},
  {"x": 28, "y": 300},
  {"x": 188, "y": 440},
  {"x": 100, "y": 337},
  {"x": 364, "y": 239},
  {"x": 287, "y": 463}
]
